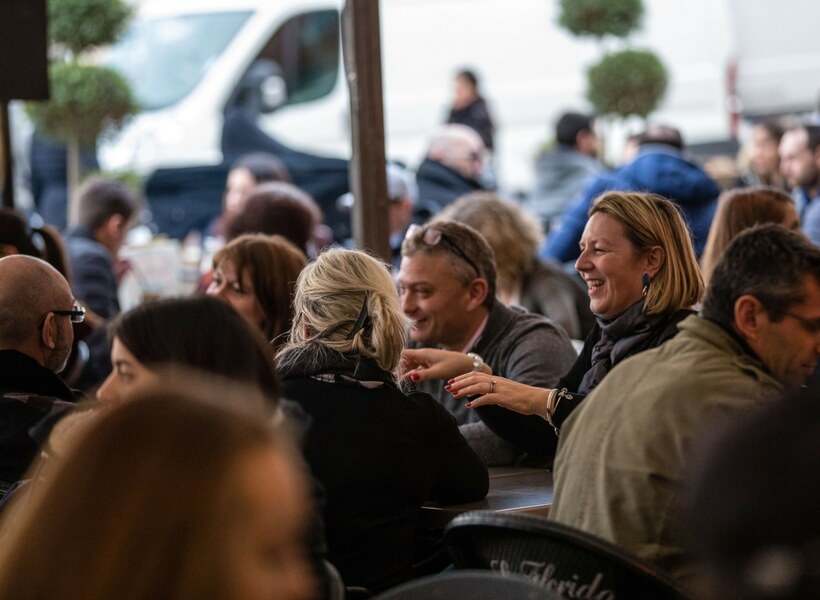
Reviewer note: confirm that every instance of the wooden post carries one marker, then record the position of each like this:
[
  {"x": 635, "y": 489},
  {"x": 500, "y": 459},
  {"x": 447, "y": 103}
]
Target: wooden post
[
  {"x": 368, "y": 179},
  {"x": 6, "y": 167},
  {"x": 23, "y": 72}
]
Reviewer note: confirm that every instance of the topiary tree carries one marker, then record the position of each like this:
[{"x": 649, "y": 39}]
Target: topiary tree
[
  {"x": 624, "y": 83},
  {"x": 598, "y": 18},
  {"x": 85, "y": 99},
  {"x": 79, "y": 25},
  {"x": 631, "y": 82}
]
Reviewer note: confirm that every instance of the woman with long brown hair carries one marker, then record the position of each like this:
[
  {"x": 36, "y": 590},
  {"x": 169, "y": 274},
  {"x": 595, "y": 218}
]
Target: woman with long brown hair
[{"x": 178, "y": 493}]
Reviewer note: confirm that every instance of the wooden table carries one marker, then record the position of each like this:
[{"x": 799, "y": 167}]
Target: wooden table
[{"x": 512, "y": 489}]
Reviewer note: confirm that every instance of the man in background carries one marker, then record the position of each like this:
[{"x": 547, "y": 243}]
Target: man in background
[
  {"x": 800, "y": 165},
  {"x": 105, "y": 211},
  {"x": 452, "y": 168},
  {"x": 561, "y": 173},
  {"x": 660, "y": 167}
]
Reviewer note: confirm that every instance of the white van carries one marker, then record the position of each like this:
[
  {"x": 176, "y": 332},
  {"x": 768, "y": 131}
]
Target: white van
[{"x": 188, "y": 59}]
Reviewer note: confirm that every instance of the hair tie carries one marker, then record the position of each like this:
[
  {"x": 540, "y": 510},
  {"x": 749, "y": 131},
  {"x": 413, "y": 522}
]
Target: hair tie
[{"x": 362, "y": 321}]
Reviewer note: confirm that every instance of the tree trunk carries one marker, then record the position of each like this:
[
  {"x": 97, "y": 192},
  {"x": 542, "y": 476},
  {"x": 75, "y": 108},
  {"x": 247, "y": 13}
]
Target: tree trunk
[{"x": 73, "y": 175}]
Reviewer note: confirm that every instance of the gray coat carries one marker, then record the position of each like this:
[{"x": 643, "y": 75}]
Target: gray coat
[{"x": 560, "y": 176}]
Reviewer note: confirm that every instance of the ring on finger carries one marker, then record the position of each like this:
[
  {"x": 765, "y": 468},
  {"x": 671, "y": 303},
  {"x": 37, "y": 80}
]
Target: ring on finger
[{"x": 492, "y": 386}]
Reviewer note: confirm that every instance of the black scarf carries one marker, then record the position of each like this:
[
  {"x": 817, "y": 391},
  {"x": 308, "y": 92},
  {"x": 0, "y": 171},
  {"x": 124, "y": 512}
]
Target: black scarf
[{"x": 619, "y": 338}]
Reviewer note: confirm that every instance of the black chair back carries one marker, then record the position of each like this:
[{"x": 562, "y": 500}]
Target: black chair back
[
  {"x": 561, "y": 559},
  {"x": 463, "y": 585}
]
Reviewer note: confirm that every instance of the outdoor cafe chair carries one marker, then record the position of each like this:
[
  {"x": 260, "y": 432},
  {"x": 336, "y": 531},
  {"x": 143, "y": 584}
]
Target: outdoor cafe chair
[
  {"x": 562, "y": 559},
  {"x": 461, "y": 585}
]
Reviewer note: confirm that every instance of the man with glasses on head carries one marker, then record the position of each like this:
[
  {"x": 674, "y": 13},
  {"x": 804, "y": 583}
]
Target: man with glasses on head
[
  {"x": 37, "y": 310},
  {"x": 447, "y": 282}
]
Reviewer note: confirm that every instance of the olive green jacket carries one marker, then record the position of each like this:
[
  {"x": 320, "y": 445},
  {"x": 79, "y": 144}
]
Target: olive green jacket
[{"x": 621, "y": 455}]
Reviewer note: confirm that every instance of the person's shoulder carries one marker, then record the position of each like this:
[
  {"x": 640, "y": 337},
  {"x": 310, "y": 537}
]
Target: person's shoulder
[
  {"x": 428, "y": 412},
  {"x": 669, "y": 326},
  {"x": 551, "y": 272},
  {"x": 80, "y": 248},
  {"x": 520, "y": 321},
  {"x": 478, "y": 109},
  {"x": 605, "y": 181},
  {"x": 813, "y": 211}
]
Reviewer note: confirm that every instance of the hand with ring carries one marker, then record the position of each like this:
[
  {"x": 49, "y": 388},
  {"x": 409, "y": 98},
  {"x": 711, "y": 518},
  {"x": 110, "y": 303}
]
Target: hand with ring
[{"x": 494, "y": 390}]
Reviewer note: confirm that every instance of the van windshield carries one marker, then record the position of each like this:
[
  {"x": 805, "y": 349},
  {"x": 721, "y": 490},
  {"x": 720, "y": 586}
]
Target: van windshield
[{"x": 164, "y": 59}]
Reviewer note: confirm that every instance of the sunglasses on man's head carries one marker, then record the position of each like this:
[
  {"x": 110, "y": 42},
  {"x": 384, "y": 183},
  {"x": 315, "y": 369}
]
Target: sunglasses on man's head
[{"x": 433, "y": 236}]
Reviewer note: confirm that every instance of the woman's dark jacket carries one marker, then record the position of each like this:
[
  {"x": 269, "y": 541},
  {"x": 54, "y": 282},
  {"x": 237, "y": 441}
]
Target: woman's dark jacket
[
  {"x": 477, "y": 117},
  {"x": 532, "y": 432},
  {"x": 380, "y": 454}
]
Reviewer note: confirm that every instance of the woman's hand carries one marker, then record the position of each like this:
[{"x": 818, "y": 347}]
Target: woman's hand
[
  {"x": 424, "y": 364},
  {"x": 491, "y": 389}
]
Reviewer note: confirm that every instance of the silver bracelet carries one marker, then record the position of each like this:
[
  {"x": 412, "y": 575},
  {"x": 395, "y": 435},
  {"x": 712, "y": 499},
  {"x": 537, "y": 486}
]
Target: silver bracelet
[{"x": 478, "y": 362}]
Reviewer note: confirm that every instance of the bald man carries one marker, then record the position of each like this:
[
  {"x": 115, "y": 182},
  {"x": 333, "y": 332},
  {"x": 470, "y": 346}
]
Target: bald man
[
  {"x": 36, "y": 312},
  {"x": 452, "y": 168}
]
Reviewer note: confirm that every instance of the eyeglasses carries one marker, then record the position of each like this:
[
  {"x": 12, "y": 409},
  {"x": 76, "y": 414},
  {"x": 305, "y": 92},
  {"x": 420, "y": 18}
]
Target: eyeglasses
[
  {"x": 811, "y": 326},
  {"x": 76, "y": 314},
  {"x": 432, "y": 236}
]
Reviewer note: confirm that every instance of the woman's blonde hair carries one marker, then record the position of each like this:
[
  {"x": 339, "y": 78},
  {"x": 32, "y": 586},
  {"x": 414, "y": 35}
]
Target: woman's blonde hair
[
  {"x": 513, "y": 234},
  {"x": 651, "y": 220},
  {"x": 346, "y": 301},
  {"x": 737, "y": 211}
]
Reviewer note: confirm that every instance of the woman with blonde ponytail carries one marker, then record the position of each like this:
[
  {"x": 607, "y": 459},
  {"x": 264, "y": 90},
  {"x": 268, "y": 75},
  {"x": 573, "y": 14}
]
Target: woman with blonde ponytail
[{"x": 379, "y": 453}]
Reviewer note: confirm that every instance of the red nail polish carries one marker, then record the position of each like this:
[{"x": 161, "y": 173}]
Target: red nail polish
[
  {"x": 448, "y": 387},
  {"x": 455, "y": 394},
  {"x": 469, "y": 405},
  {"x": 414, "y": 376},
  {"x": 450, "y": 380}
]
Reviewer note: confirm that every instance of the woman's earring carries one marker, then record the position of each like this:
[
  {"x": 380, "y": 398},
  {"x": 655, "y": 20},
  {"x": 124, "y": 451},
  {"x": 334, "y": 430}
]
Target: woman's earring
[{"x": 646, "y": 282}]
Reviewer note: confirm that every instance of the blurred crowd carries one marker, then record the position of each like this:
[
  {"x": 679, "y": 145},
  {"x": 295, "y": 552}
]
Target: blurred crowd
[{"x": 649, "y": 332}]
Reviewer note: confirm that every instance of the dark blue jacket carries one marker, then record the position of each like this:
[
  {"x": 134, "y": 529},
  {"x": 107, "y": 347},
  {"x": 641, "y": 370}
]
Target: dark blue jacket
[
  {"x": 659, "y": 169},
  {"x": 439, "y": 186},
  {"x": 93, "y": 282}
]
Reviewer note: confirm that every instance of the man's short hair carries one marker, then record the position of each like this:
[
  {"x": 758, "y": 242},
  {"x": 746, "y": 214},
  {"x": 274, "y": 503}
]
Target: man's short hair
[
  {"x": 264, "y": 167},
  {"x": 662, "y": 134},
  {"x": 772, "y": 128},
  {"x": 813, "y": 132},
  {"x": 570, "y": 125},
  {"x": 468, "y": 241},
  {"x": 100, "y": 199},
  {"x": 768, "y": 262}
]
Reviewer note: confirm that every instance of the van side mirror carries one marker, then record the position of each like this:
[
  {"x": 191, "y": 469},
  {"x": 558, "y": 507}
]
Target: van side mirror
[
  {"x": 273, "y": 93},
  {"x": 262, "y": 88}
]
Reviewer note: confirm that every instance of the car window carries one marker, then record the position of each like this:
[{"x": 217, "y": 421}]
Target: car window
[
  {"x": 306, "y": 47},
  {"x": 165, "y": 58}
]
